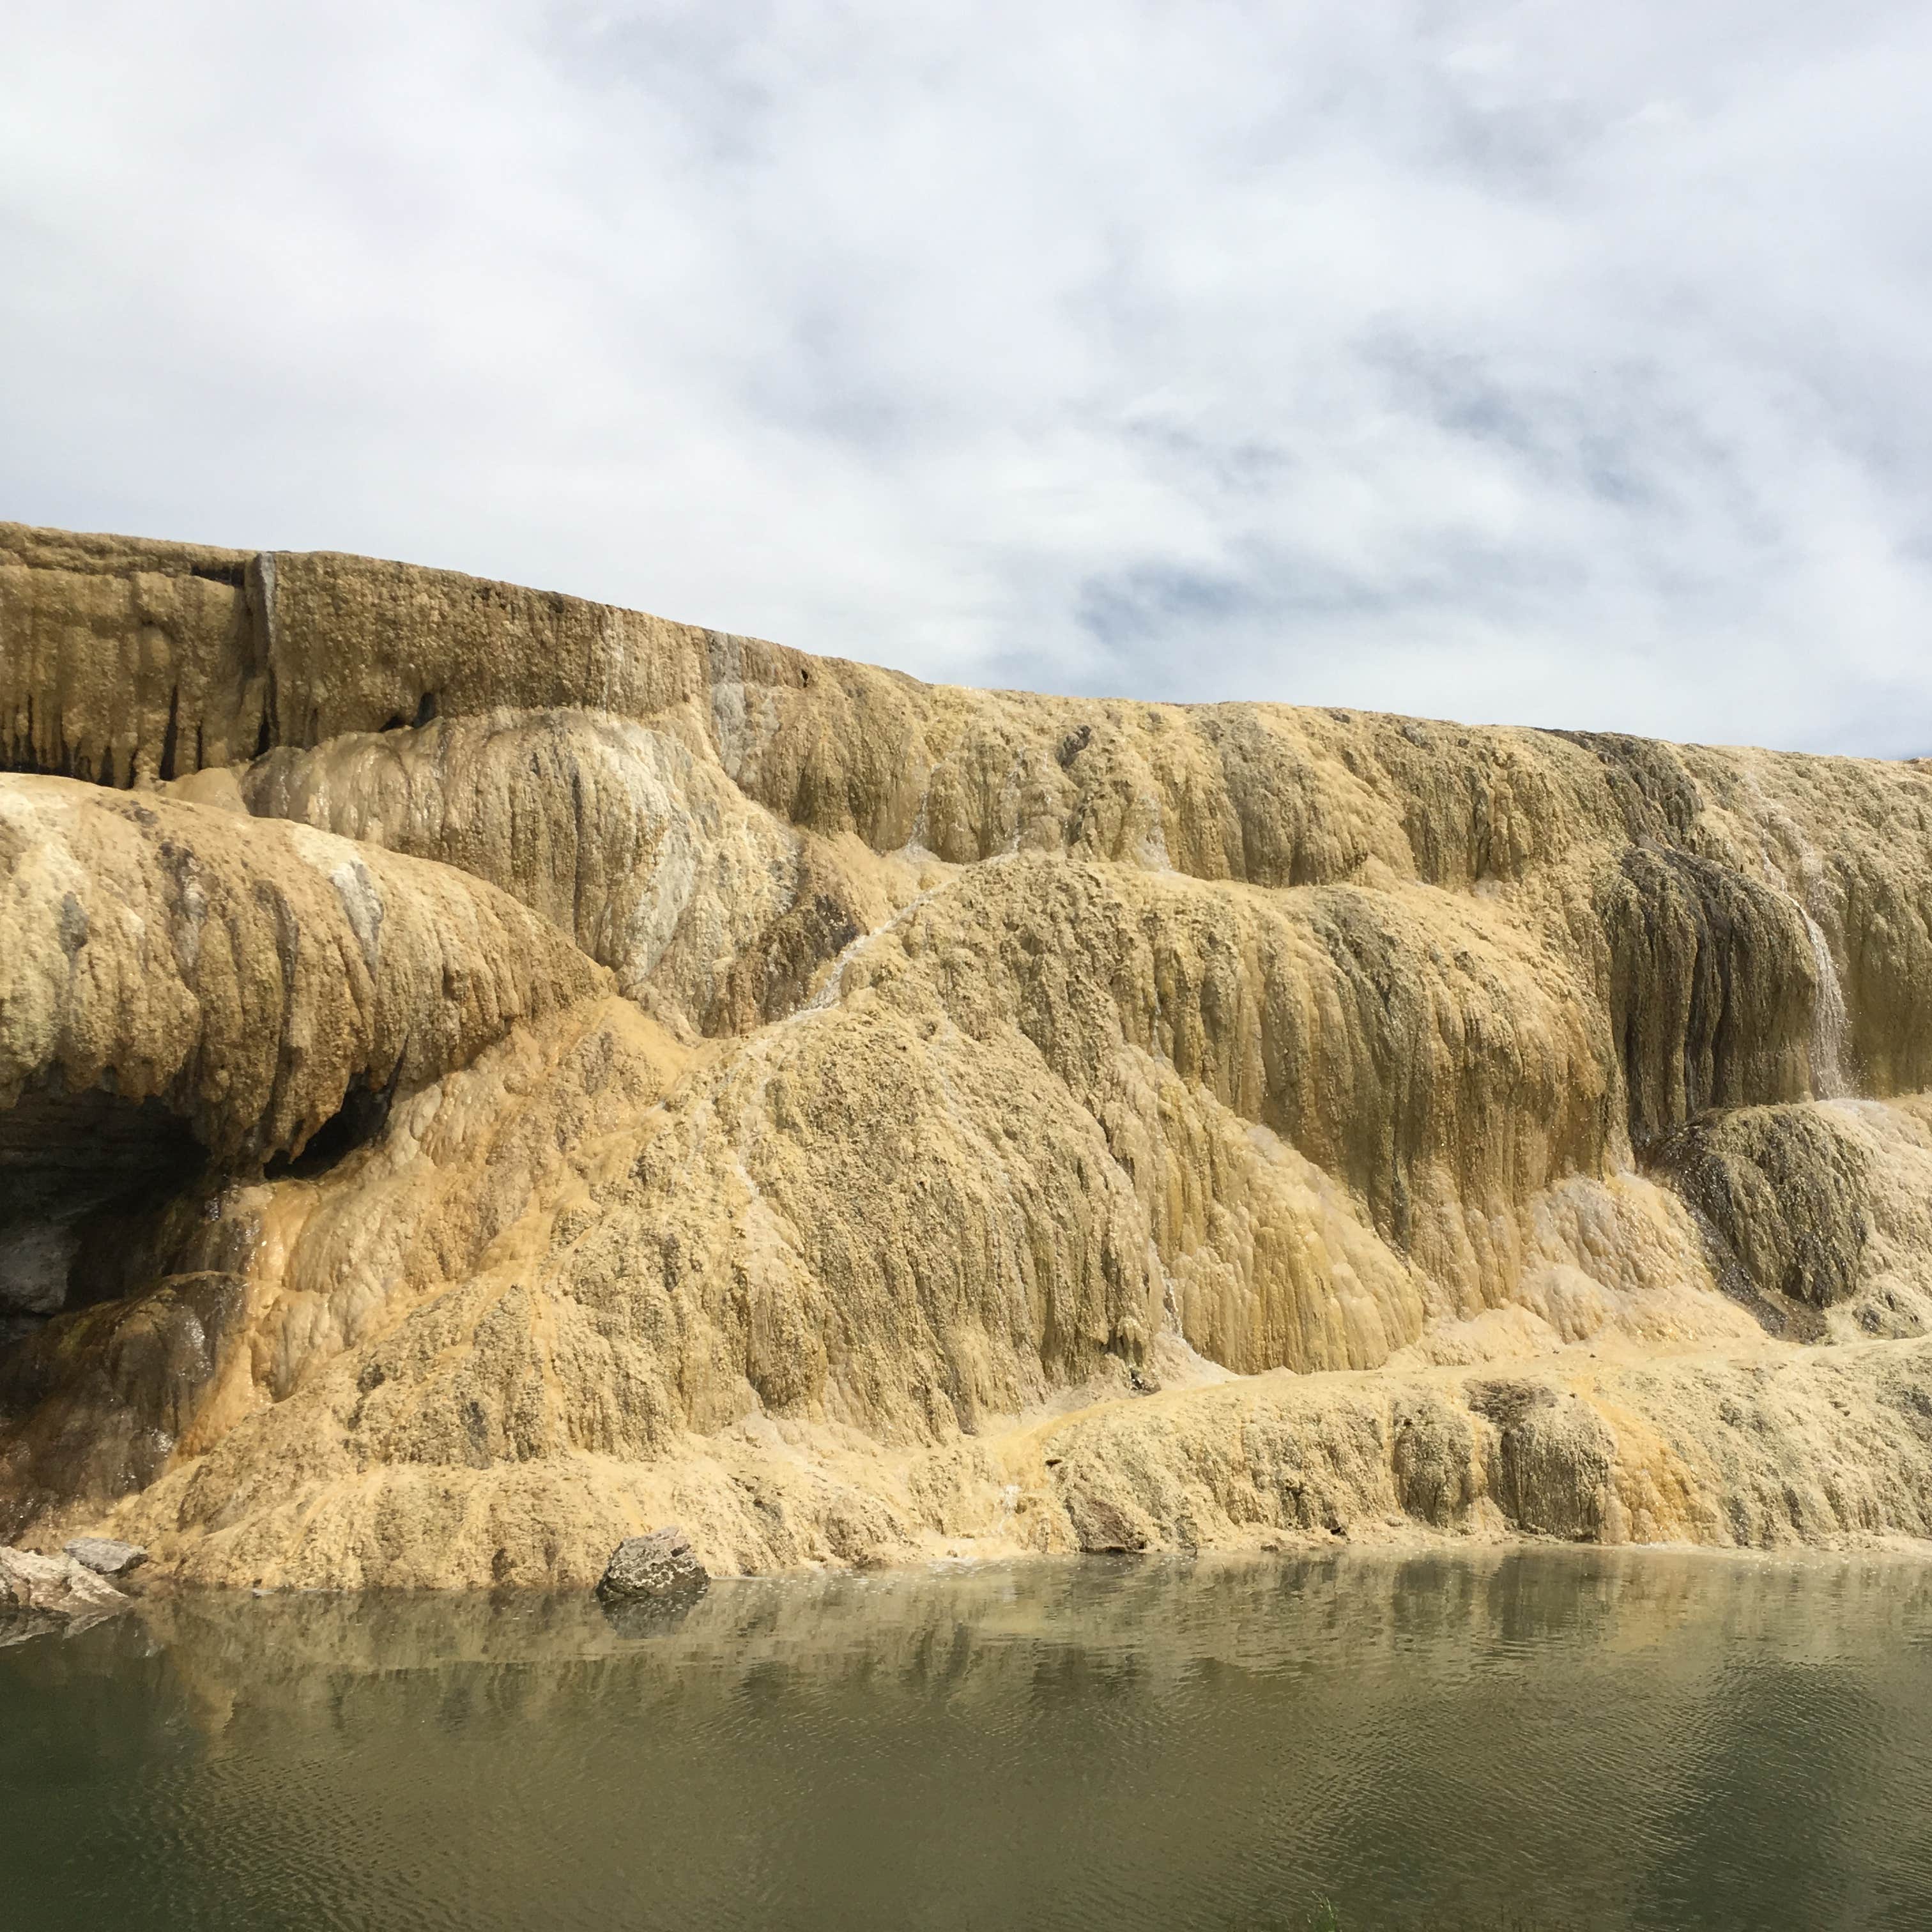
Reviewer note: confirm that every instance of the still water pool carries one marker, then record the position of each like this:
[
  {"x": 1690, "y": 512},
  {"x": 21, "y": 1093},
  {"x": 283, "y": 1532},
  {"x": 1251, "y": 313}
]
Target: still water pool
[{"x": 1560, "y": 1737}]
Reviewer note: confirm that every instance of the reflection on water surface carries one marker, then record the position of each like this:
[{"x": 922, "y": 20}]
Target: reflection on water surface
[{"x": 1632, "y": 1740}]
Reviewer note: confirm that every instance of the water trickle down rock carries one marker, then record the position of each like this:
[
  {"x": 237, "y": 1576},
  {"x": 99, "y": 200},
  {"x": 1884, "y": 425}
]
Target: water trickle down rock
[{"x": 1829, "y": 1019}]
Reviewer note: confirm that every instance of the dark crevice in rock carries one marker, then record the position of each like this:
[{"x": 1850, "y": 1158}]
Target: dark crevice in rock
[
  {"x": 92, "y": 1405},
  {"x": 86, "y": 1180},
  {"x": 267, "y": 735},
  {"x": 120, "y": 1292},
  {"x": 425, "y": 713},
  {"x": 171, "y": 736},
  {"x": 363, "y": 1114}
]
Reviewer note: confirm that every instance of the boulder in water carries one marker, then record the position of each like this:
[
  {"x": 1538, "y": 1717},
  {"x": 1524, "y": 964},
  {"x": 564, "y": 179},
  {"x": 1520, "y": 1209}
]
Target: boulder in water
[
  {"x": 105, "y": 1556},
  {"x": 39, "y": 1594},
  {"x": 660, "y": 1565}
]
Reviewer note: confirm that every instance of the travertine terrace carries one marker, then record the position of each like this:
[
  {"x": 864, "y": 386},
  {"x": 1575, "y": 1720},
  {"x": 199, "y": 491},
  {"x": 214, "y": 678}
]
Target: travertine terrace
[{"x": 482, "y": 1075}]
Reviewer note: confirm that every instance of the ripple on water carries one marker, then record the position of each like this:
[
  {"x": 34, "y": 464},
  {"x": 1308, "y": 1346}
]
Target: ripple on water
[{"x": 1631, "y": 1740}]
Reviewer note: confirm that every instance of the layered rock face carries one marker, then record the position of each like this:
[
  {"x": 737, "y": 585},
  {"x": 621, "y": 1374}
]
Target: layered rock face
[{"x": 482, "y": 1075}]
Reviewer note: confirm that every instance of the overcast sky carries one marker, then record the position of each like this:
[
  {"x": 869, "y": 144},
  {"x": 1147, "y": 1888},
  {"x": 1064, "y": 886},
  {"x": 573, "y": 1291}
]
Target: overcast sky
[{"x": 1560, "y": 364}]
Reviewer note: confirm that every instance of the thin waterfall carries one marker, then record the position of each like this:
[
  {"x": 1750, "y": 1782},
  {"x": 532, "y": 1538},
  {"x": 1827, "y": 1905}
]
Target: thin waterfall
[{"x": 1829, "y": 1019}]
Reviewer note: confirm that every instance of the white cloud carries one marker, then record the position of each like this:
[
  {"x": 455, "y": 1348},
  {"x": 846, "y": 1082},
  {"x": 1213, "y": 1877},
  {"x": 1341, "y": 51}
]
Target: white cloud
[{"x": 1488, "y": 361}]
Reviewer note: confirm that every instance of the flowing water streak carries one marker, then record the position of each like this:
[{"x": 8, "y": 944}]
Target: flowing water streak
[{"x": 1829, "y": 1020}]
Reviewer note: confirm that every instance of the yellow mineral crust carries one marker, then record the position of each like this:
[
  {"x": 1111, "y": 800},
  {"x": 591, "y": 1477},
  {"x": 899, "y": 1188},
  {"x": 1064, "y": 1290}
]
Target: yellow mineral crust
[
  {"x": 244, "y": 973},
  {"x": 631, "y": 1073}
]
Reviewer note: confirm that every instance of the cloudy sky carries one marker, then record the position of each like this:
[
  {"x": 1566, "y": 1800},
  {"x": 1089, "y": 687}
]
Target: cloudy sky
[{"x": 1550, "y": 363}]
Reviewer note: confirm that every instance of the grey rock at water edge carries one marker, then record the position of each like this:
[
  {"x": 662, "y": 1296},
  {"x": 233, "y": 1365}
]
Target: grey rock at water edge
[
  {"x": 659, "y": 1565},
  {"x": 39, "y": 1594},
  {"x": 105, "y": 1556}
]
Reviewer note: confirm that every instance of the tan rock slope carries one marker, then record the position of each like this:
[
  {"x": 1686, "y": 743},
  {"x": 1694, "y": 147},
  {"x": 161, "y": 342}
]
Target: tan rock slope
[{"x": 482, "y": 1075}]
